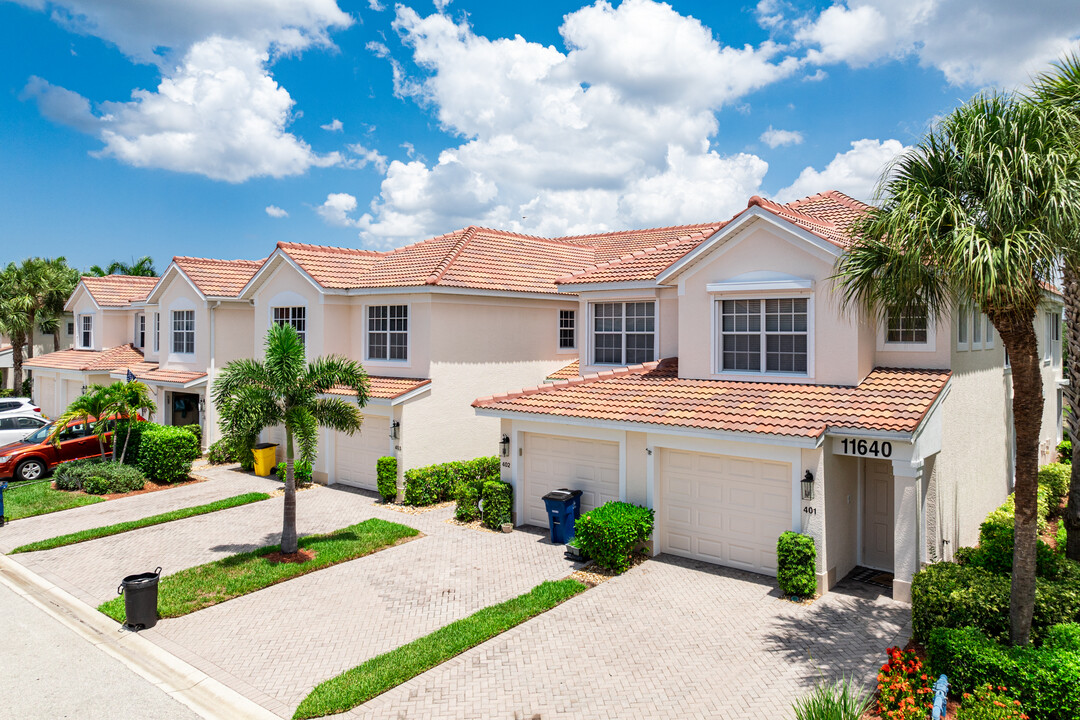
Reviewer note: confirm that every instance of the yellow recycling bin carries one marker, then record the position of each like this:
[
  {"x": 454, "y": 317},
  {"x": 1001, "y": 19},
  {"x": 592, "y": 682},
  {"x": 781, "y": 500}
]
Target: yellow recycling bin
[{"x": 265, "y": 458}]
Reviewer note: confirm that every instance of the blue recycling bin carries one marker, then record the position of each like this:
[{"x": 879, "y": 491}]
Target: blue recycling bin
[
  {"x": 563, "y": 508},
  {"x": 3, "y": 487}
]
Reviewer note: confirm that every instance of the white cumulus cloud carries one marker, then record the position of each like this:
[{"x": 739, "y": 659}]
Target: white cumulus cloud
[
  {"x": 334, "y": 125},
  {"x": 778, "y": 138},
  {"x": 336, "y": 209},
  {"x": 275, "y": 212},
  {"x": 855, "y": 172}
]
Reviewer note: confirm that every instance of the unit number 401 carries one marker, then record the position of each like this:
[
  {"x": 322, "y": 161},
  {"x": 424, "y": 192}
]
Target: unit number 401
[{"x": 864, "y": 447}]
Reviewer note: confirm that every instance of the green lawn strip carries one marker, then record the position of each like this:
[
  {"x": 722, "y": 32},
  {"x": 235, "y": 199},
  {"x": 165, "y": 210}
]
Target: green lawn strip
[
  {"x": 389, "y": 670},
  {"x": 106, "y": 531},
  {"x": 204, "y": 585},
  {"x": 23, "y": 501}
]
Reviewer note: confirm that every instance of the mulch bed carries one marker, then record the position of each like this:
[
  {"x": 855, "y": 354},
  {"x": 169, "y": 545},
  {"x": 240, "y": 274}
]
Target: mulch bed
[
  {"x": 150, "y": 487},
  {"x": 297, "y": 558},
  {"x": 415, "y": 509},
  {"x": 473, "y": 525},
  {"x": 592, "y": 575}
]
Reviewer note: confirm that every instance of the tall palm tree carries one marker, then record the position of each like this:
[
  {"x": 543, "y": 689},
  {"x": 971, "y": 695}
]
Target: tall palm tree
[
  {"x": 144, "y": 267},
  {"x": 285, "y": 389},
  {"x": 1060, "y": 87},
  {"x": 94, "y": 406},
  {"x": 128, "y": 400},
  {"x": 50, "y": 325},
  {"x": 36, "y": 287},
  {"x": 972, "y": 215}
]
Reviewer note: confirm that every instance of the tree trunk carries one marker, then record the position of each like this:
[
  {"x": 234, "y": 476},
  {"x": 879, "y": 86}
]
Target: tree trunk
[
  {"x": 1018, "y": 336},
  {"x": 17, "y": 342},
  {"x": 127, "y": 439},
  {"x": 288, "y": 529},
  {"x": 30, "y": 341},
  {"x": 1071, "y": 518},
  {"x": 56, "y": 341}
]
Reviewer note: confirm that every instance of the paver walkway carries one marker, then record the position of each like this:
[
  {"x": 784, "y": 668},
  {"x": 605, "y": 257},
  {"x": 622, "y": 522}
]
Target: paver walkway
[{"x": 671, "y": 638}]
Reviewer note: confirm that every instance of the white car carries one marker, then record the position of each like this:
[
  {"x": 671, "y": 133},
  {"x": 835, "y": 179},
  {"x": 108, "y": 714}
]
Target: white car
[
  {"x": 14, "y": 428},
  {"x": 18, "y": 406}
]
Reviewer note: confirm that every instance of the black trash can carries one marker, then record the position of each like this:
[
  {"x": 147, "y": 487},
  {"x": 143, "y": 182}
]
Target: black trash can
[{"x": 140, "y": 599}]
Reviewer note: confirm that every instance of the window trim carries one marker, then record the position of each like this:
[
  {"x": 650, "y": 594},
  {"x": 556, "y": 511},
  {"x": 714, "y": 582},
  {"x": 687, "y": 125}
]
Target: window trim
[
  {"x": 929, "y": 346},
  {"x": 139, "y": 340},
  {"x": 301, "y": 333},
  {"x": 716, "y": 361},
  {"x": 408, "y": 336},
  {"x": 82, "y": 331},
  {"x": 963, "y": 321},
  {"x": 591, "y": 349},
  {"x": 173, "y": 331},
  {"x": 573, "y": 327},
  {"x": 157, "y": 332}
]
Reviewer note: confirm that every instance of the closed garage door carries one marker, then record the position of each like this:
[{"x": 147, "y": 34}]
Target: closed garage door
[
  {"x": 554, "y": 462},
  {"x": 356, "y": 455},
  {"x": 724, "y": 510}
]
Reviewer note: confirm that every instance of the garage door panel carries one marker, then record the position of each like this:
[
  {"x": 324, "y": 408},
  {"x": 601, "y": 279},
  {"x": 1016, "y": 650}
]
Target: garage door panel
[
  {"x": 356, "y": 455},
  {"x": 725, "y": 510},
  {"x": 553, "y": 462}
]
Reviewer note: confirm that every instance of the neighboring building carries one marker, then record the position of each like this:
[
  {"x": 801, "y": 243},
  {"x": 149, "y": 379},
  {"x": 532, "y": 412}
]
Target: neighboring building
[
  {"x": 43, "y": 343},
  {"x": 717, "y": 373}
]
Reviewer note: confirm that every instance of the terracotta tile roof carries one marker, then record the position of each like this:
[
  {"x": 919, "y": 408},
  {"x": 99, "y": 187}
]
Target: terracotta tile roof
[
  {"x": 86, "y": 360},
  {"x": 218, "y": 278},
  {"x": 151, "y": 373},
  {"x": 477, "y": 258},
  {"x": 386, "y": 388},
  {"x": 118, "y": 290},
  {"x": 565, "y": 373},
  {"x": 888, "y": 400},
  {"x": 828, "y": 215}
]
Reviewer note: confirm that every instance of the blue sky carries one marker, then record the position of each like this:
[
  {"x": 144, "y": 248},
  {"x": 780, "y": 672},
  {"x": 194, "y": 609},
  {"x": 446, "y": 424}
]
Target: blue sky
[{"x": 218, "y": 128}]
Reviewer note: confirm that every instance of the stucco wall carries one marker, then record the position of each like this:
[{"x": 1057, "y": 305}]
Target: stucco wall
[
  {"x": 179, "y": 296},
  {"x": 842, "y": 496},
  {"x": 286, "y": 287}
]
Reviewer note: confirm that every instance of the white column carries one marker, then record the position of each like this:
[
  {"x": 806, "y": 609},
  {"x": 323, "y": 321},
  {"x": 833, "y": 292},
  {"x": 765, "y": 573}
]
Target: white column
[{"x": 907, "y": 525}]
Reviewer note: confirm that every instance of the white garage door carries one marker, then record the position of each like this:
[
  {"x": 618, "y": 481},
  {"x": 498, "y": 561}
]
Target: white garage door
[
  {"x": 357, "y": 454},
  {"x": 555, "y": 462},
  {"x": 724, "y": 510}
]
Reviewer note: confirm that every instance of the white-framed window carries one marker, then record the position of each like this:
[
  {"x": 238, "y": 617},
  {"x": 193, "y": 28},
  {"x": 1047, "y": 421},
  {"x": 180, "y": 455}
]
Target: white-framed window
[
  {"x": 157, "y": 332},
  {"x": 977, "y": 326},
  {"x": 567, "y": 330},
  {"x": 86, "y": 331},
  {"x": 988, "y": 332},
  {"x": 907, "y": 327},
  {"x": 624, "y": 333},
  {"x": 768, "y": 335},
  {"x": 71, "y": 328},
  {"x": 388, "y": 332},
  {"x": 183, "y": 331},
  {"x": 963, "y": 325},
  {"x": 139, "y": 338},
  {"x": 295, "y": 316},
  {"x": 1053, "y": 337}
]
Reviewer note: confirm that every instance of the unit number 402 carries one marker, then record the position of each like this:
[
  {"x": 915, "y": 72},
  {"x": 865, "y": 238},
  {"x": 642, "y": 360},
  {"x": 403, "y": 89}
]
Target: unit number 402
[{"x": 864, "y": 447}]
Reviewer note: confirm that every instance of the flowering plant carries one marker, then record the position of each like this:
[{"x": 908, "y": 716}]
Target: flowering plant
[
  {"x": 990, "y": 702},
  {"x": 903, "y": 687}
]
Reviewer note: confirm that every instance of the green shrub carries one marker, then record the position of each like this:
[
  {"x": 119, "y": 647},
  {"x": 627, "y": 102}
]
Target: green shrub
[
  {"x": 1065, "y": 636},
  {"x": 948, "y": 595},
  {"x": 70, "y": 475},
  {"x": 109, "y": 477},
  {"x": 843, "y": 699},
  {"x": 1055, "y": 478},
  {"x": 995, "y": 551},
  {"x": 1006, "y": 514},
  {"x": 134, "y": 439},
  {"x": 1064, "y": 451},
  {"x": 243, "y": 451},
  {"x": 301, "y": 472},
  {"x": 987, "y": 702},
  {"x": 220, "y": 453},
  {"x": 1062, "y": 537},
  {"x": 796, "y": 558},
  {"x": 610, "y": 533},
  {"x": 166, "y": 453},
  {"x": 498, "y": 498},
  {"x": 1046, "y": 680},
  {"x": 437, "y": 483},
  {"x": 195, "y": 429},
  {"x": 468, "y": 503},
  {"x": 386, "y": 477}
]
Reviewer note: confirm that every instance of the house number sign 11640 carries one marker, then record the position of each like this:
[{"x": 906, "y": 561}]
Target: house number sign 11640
[{"x": 864, "y": 447}]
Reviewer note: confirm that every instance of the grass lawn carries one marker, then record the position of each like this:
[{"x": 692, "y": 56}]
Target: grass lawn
[
  {"x": 205, "y": 585},
  {"x": 39, "y": 498},
  {"x": 106, "y": 531},
  {"x": 388, "y": 670}
]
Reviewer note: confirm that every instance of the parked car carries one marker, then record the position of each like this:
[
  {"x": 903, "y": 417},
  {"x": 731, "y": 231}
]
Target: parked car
[
  {"x": 18, "y": 406},
  {"x": 35, "y": 455},
  {"x": 15, "y": 427}
]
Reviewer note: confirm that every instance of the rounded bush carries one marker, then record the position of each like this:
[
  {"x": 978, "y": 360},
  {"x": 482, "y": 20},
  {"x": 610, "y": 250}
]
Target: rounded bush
[
  {"x": 1055, "y": 478},
  {"x": 610, "y": 533},
  {"x": 498, "y": 499},
  {"x": 108, "y": 477},
  {"x": 386, "y": 477},
  {"x": 220, "y": 453},
  {"x": 796, "y": 559},
  {"x": 301, "y": 472},
  {"x": 166, "y": 453}
]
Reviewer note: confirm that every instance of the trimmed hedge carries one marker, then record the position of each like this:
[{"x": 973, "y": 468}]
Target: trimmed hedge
[
  {"x": 386, "y": 477},
  {"x": 437, "y": 483},
  {"x": 1006, "y": 513},
  {"x": 301, "y": 472},
  {"x": 98, "y": 478},
  {"x": 1055, "y": 477},
  {"x": 1064, "y": 451},
  {"x": 610, "y": 533},
  {"x": 995, "y": 552},
  {"x": 949, "y": 595},
  {"x": 195, "y": 430},
  {"x": 1046, "y": 680},
  {"x": 498, "y": 498},
  {"x": 138, "y": 427},
  {"x": 220, "y": 453},
  {"x": 166, "y": 453},
  {"x": 468, "y": 502},
  {"x": 796, "y": 562}
]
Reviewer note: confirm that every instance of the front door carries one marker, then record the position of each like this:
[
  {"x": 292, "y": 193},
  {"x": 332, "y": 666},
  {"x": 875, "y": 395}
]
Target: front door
[
  {"x": 184, "y": 409},
  {"x": 878, "y": 515}
]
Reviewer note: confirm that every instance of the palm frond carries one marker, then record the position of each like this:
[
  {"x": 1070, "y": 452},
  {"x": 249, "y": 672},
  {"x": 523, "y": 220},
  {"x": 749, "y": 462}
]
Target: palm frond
[{"x": 337, "y": 414}]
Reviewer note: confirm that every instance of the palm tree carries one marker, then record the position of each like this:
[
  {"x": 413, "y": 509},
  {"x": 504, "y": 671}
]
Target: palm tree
[
  {"x": 251, "y": 395},
  {"x": 50, "y": 325},
  {"x": 128, "y": 400},
  {"x": 144, "y": 267},
  {"x": 1061, "y": 88},
  {"x": 972, "y": 215},
  {"x": 37, "y": 287},
  {"x": 95, "y": 405}
]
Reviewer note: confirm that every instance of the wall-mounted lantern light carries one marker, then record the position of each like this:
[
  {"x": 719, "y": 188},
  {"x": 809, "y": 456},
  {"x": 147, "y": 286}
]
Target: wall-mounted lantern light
[
  {"x": 394, "y": 428},
  {"x": 808, "y": 486},
  {"x": 202, "y": 404},
  {"x": 504, "y": 446},
  {"x": 83, "y": 391}
]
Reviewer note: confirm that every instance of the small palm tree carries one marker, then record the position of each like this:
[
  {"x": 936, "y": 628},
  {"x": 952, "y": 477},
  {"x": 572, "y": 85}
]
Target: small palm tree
[
  {"x": 95, "y": 405},
  {"x": 128, "y": 400},
  {"x": 284, "y": 389},
  {"x": 973, "y": 215}
]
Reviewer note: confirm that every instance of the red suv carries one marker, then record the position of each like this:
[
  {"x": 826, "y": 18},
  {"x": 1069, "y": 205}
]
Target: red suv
[{"x": 34, "y": 456}]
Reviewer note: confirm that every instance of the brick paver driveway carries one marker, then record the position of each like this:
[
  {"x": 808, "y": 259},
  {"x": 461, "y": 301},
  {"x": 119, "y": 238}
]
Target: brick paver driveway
[{"x": 671, "y": 638}]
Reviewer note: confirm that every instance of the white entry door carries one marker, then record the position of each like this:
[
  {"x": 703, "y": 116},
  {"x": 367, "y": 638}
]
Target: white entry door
[
  {"x": 878, "y": 515},
  {"x": 724, "y": 510},
  {"x": 553, "y": 462}
]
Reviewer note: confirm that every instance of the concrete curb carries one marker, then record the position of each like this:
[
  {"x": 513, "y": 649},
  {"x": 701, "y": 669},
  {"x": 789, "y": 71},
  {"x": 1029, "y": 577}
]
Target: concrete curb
[{"x": 205, "y": 696}]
